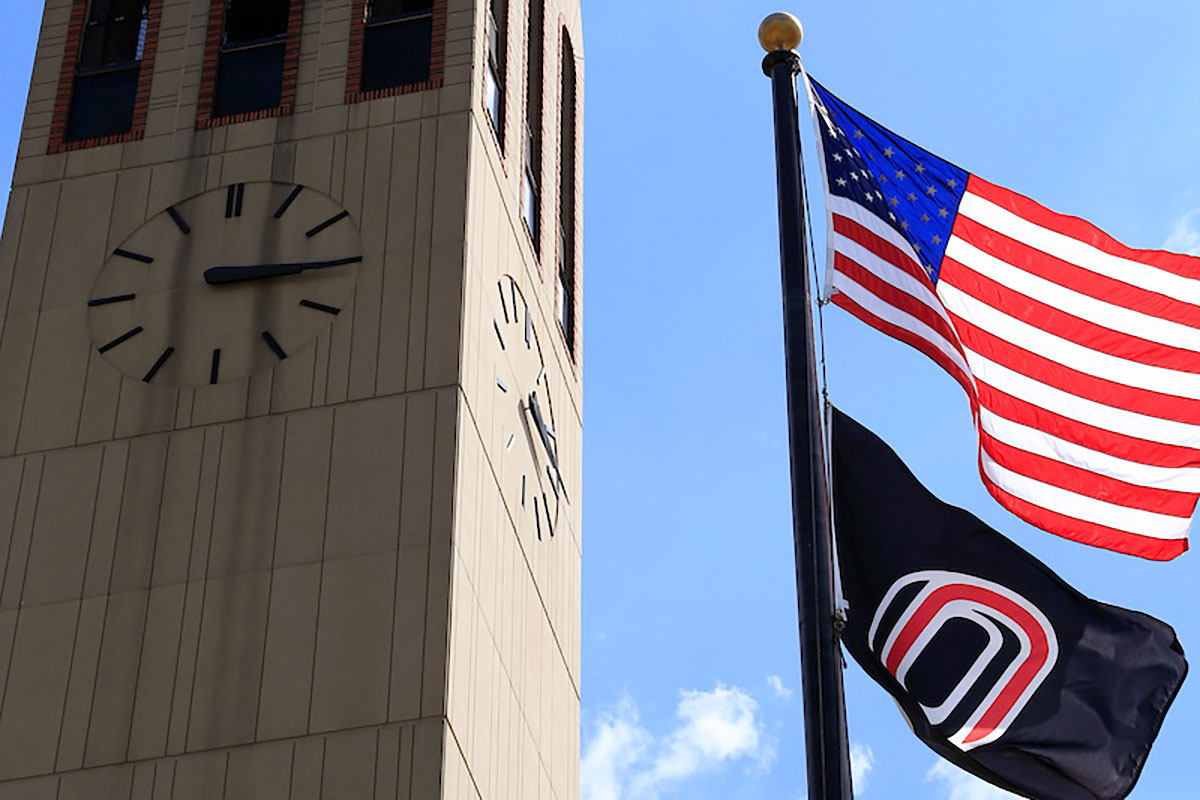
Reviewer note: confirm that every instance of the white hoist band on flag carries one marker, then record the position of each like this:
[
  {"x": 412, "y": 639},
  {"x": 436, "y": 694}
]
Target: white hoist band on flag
[{"x": 1080, "y": 356}]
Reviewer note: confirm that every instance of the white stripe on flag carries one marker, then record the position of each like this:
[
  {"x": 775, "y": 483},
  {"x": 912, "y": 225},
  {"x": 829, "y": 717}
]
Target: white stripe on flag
[
  {"x": 1067, "y": 353},
  {"x": 1088, "y": 509},
  {"x": 1031, "y": 440},
  {"x": 1110, "y": 418},
  {"x": 891, "y": 274},
  {"x": 1076, "y": 252},
  {"x": 1114, "y": 317},
  {"x": 870, "y": 220},
  {"x": 890, "y": 313}
]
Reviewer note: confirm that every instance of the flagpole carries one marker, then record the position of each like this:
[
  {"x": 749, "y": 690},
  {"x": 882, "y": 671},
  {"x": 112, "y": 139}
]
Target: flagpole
[{"x": 825, "y": 740}]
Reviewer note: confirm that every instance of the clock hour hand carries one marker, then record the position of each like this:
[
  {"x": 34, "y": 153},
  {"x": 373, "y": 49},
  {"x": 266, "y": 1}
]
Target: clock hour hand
[
  {"x": 217, "y": 276},
  {"x": 544, "y": 432}
]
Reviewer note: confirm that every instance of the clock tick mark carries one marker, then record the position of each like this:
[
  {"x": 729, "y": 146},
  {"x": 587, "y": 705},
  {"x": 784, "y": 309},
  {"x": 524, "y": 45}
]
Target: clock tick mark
[
  {"x": 336, "y": 218},
  {"x": 499, "y": 336},
  {"x": 215, "y": 372},
  {"x": 546, "y": 508},
  {"x": 274, "y": 345},
  {"x": 180, "y": 222},
  {"x": 320, "y": 307},
  {"x": 158, "y": 365},
  {"x": 523, "y": 481},
  {"x": 537, "y": 517},
  {"x": 233, "y": 200},
  {"x": 512, "y": 438},
  {"x": 502, "y": 387},
  {"x": 117, "y": 298},
  {"x": 291, "y": 198},
  {"x": 124, "y": 337},
  {"x": 133, "y": 256},
  {"x": 503, "y": 302}
]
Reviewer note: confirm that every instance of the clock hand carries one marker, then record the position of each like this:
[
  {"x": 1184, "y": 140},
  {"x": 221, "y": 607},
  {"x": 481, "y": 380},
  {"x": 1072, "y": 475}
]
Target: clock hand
[
  {"x": 543, "y": 432},
  {"x": 216, "y": 276}
]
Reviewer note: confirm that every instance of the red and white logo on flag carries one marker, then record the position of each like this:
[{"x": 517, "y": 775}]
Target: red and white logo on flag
[{"x": 947, "y": 596}]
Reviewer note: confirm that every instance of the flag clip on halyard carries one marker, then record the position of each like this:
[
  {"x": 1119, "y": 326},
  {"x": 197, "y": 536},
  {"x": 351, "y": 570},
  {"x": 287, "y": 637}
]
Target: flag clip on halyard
[
  {"x": 1077, "y": 354},
  {"x": 999, "y": 665}
]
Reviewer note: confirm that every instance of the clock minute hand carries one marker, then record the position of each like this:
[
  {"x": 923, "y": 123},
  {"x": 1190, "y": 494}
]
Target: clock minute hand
[{"x": 217, "y": 276}]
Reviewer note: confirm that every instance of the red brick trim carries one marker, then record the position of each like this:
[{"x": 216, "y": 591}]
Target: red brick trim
[
  {"x": 354, "y": 64},
  {"x": 212, "y": 61},
  {"x": 66, "y": 82}
]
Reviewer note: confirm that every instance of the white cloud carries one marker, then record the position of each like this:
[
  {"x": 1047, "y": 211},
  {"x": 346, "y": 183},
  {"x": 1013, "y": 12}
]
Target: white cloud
[
  {"x": 862, "y": 761},
  {"x": 776, "y": 684},
  {"x": 1185, "y": 236},
  {"x": 959, "y": 785},
  {"x": 623, "y": 761},
  {"x": 617, "y": 745}
]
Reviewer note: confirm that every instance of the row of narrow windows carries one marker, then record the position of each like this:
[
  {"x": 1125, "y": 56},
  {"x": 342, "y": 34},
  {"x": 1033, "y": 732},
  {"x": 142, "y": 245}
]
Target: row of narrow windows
[
  {"x": 532, "y": 169},
  {"x": 397, "y": 51},
  {"x": 397, "y": 40}
]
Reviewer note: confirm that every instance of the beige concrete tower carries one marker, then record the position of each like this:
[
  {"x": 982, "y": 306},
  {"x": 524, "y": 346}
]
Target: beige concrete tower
[{"x": 290, "y": 403}]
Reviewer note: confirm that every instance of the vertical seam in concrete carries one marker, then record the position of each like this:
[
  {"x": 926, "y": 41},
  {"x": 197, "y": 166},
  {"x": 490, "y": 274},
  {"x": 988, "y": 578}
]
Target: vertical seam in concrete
[
  {"x": 17, "y": 623},
  {"x": 12, "y": 534},
  {"x": 312, "y": 677},
  {"x": 383, "y": 261},
  {"x": 16, "y": 262},
  {"x": 158, "y": 524},
  {"x": 37, "y": 499},
  {"x": 428, "y": 576},
  {"x": 38, "y": 319},
  {"x": 292, "y": 769},
  {"x": 79, "y": 611},
  {"x": 262, "y": 666},
  {"x": 187, "y": 729},
  {"x": 429, "y": 267}
]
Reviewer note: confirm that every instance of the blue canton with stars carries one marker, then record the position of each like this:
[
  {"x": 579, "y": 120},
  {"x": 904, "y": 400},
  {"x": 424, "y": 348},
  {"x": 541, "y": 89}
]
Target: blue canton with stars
[{"x": 907, "y": 187}]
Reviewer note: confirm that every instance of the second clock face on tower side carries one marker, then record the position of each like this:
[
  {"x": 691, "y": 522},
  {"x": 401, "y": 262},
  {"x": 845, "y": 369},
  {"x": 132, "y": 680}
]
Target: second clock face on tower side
[
  {"x": 535, "y": 487},
  {"x": 225, "y": 283}
]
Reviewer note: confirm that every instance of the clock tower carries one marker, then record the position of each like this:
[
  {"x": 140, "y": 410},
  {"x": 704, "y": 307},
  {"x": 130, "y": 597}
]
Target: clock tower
[{"x": 290, "y": 403}]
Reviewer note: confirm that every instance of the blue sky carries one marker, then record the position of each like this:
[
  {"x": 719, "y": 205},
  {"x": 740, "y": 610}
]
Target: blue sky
[{"x": 691, "y": 678}]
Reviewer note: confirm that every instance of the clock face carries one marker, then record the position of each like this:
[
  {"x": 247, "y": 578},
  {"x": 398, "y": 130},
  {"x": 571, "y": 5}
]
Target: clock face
[
  {"x": 529, "y": 443},
  {"x": 225, "y": 283}
]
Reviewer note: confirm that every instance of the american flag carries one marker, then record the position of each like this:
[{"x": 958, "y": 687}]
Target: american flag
[{"x": 1080, "y": 356}]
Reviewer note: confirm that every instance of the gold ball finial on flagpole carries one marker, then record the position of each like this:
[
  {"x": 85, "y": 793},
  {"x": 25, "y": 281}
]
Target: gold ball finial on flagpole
[{"x": 780, "y": 31}]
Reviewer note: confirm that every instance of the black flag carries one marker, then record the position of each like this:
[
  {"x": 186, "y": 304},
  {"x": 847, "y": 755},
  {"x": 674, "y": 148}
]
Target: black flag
[{"x": 1000, "y": 666}]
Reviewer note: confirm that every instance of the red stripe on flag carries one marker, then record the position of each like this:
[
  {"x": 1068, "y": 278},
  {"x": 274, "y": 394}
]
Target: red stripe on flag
[
  {"x": 1080, "y": 384},
  {"x": 1077, "y": 279},
  {"x": 1078, "y": 530},
  {"x": 1087, "y": 483},
  {"x": 898, "y": 298},
  {"x": 1129, "y": 448},
  {"x": 1081, "y": 230},
  {"x": 1068, "y": 326},
  {"x": 881, "y": 247},
  {"x": 908, "y": 337}
]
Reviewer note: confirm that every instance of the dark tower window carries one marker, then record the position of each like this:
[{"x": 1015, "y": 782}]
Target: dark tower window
[
  {"x": 253, "y": 51},
  {"x": 106, "y": 76},
  {"x": 397, "y": 43},
  {"x": 533, "y": 124},
  {"x": 497, "y": 65},
  {"x": 566, "y": 195}
]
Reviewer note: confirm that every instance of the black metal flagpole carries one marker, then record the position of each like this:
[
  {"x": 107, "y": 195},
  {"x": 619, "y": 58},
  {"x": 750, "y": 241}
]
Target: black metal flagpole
[{"x": 825, "y": 741}]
